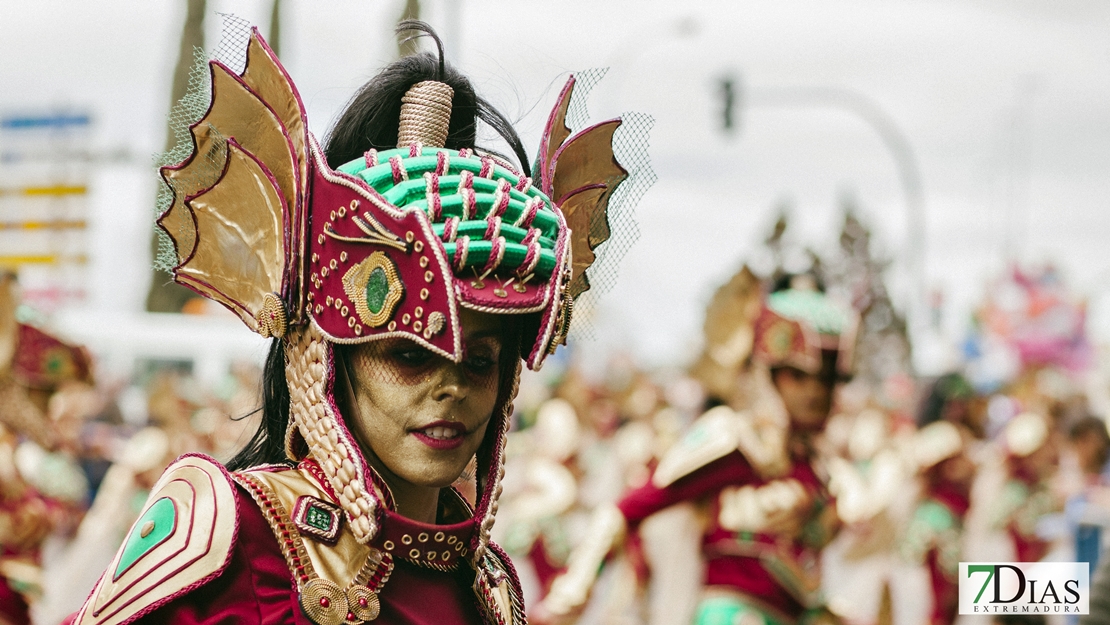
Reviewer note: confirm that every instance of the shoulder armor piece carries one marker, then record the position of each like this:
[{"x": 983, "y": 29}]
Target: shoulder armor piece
[
  {"x": 182, "y": 540},
  {"x": 714, "y": 435},
  {"x": 285, "y": 494}
]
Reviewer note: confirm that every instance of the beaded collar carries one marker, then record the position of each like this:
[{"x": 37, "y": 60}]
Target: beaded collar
[{"x": 439, "y": 547}]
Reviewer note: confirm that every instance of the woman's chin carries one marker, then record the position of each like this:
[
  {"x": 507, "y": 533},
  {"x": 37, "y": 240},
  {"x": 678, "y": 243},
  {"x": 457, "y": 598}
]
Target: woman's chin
[{"x": 435, "y": 475}]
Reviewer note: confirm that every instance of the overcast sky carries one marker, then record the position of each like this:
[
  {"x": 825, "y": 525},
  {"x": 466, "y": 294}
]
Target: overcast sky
[{"x": 1004, "y": 103}]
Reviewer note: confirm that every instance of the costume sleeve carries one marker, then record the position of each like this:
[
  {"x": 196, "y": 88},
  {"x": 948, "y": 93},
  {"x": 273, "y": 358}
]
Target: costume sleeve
[
  {"x": 256, "y": 586},
  {"x": 728, "y": 470}
]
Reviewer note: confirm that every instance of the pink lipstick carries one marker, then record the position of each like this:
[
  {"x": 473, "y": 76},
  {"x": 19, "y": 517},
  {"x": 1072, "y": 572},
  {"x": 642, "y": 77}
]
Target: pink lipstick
[{"x": 441, "y": 435}]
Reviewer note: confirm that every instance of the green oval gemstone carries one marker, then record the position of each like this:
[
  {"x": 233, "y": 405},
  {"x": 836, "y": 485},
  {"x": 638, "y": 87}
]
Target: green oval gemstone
[{"x": 377, "y": 289}]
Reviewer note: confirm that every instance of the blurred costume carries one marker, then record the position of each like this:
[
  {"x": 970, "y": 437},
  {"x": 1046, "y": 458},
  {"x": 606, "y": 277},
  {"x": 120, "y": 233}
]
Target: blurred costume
[
  {"x": 391, "y": 244},
  {"x": 33, "y": 366},
  {"x": 768, "y": 509},
  {"x": 868, "y": 477},
  {"x": 539, "y": 490},
  {"x": 1026, "y": 496},
  {"x": 934, "y": 534}
]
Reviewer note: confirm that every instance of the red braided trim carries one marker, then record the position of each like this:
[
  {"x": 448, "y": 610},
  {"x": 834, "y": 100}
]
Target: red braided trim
[
  {"x": 493, "y": 228},
  {"x": 529, "y": 213},
  {"x": 414, "y": 150},
  {"x": 398, "y": 168},
  {"x": 496, "y": 254},
  {"x": 466, "y": 190},
  {"x": 287, "y": 536},
  {"x": 435, "y": 208},
  {"x": 381, "y": 574},
  {"x": 443, "y": 163},
  {"x": 371, "y": 158},
  {"x": 524, "y": 184},
  {"x": 531, "y": 259},
  {"x": 487, "y": 167},
  {"x": 462, "y": 248},
  {"x": 500, "y": 198},
  {"x": 450, "y": 229}
]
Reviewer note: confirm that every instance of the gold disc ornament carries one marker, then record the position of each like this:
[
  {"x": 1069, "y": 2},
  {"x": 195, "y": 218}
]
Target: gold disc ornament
[
  {"x": 324, "y": 602},
  {"x": 363, "y": 602}
]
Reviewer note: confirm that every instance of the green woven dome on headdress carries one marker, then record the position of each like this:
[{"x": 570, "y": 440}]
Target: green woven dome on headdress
[
  {"x": 471, "y": 200},
  {"x": 811, "y": 307}
]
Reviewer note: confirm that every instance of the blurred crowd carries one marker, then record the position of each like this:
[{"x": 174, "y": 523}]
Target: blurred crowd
[{"x": 1001, "y": 459}]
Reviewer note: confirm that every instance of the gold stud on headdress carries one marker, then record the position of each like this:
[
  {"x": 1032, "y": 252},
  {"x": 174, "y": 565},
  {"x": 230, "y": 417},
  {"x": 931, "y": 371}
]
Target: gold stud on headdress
[{"x": 425, "y": 114}]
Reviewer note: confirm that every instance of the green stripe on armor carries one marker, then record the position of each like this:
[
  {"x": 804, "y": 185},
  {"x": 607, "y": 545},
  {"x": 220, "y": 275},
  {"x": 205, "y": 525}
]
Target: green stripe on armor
[
  {"x": 158, "y": 522},
  {"x": 729, "y": 611}
]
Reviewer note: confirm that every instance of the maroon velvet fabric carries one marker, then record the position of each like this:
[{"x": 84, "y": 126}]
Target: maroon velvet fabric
[
  {"x": 723, "y": 567},
  {"x": 946, "y": 595},
  {"x": 256, "y": 587},
  {"x": 421, "y": 596},
  {"x": 1028, "y": 547},
  {"x": 946, "y": 592},
  {"x": 13, "y": 608},
  {"x": 541, "y": 562}
]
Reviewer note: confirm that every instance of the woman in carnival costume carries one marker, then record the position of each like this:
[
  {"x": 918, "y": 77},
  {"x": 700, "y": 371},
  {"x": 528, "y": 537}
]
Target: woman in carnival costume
[
  {"x": 1031, "y": 457},
  {"x": 769, "y": 511},
  {"x": 404, "y": 276},
  {"x": 34, "y": 367},
  {"x": 934, "y": 535}
]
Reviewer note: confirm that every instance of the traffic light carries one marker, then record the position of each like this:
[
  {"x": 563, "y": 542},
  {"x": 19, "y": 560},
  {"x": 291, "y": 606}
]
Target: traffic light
[{"x": 729, "y": 90}]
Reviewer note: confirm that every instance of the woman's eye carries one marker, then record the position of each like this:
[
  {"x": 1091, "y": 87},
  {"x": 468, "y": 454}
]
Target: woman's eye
[
  {"x": 412, "y": 356},
  {"x": 480, "y": 364}
]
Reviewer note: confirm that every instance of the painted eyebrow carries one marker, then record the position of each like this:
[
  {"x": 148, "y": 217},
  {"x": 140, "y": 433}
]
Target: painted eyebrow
[{"x": 484, "y": 334}]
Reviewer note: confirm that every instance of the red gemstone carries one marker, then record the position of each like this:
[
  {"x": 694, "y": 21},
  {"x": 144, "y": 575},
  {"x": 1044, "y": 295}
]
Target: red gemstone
[
  {"x": 325, "y": 602},
  {"x": 350, "y": 616},
  {"x": 363, "y": 602}
]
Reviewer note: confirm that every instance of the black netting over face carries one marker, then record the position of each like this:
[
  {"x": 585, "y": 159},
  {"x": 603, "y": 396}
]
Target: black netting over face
[
  {"x": 232, "y": 49},
  {"x": 421, "y": 417},
  {"x": 232, "y": 52},
  {"x": 619, "y": 230},
  {"x": 402, "y": 364}
]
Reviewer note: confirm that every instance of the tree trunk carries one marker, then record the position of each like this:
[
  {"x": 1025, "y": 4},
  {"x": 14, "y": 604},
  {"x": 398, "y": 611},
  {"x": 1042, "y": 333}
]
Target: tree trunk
[{"x": 165, "y": 295}]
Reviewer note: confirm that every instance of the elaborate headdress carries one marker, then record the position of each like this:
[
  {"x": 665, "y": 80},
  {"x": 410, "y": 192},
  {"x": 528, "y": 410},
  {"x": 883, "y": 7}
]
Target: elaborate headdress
[
  {"x": 391, "y": 244},
  {"x": 797, "y": 325},
  {"x": 32, "y": 360}
]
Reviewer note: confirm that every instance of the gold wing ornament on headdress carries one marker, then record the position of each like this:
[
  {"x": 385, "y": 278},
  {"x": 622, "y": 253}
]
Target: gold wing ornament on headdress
[
  {"x": 580, "y": 173},
  {"x": 244, "y": 189}
]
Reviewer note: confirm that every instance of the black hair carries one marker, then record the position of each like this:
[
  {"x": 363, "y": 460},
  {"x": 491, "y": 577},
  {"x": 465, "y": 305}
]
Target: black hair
[
  {"x": 1092, "y": 426},
  {"x": 371, "y": 120},
  {"x": 948, "y": 388},
  {"x": 373, "y": 115},
  {"x": 267, "y": 446},
  {"x": 785, "y": 281}
]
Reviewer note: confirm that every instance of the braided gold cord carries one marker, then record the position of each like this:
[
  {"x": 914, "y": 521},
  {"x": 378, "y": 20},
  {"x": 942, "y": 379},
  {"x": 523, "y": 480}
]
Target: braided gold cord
[
  {"x": 499, "y": 457},
  {"x": 425, "y": 114},
  {"x": 307, "y": 355}
]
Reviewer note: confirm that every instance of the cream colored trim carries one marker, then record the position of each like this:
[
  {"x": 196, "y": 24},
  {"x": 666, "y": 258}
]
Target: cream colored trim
[{"x": 199, "y": 546}]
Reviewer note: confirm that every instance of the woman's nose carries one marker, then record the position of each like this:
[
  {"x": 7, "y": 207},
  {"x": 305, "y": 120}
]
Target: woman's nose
[{"x": 453, "y": 385}]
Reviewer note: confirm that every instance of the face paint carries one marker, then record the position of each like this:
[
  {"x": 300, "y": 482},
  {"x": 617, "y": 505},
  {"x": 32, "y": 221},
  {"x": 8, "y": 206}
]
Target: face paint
[{"x": 419, "y": 416}]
